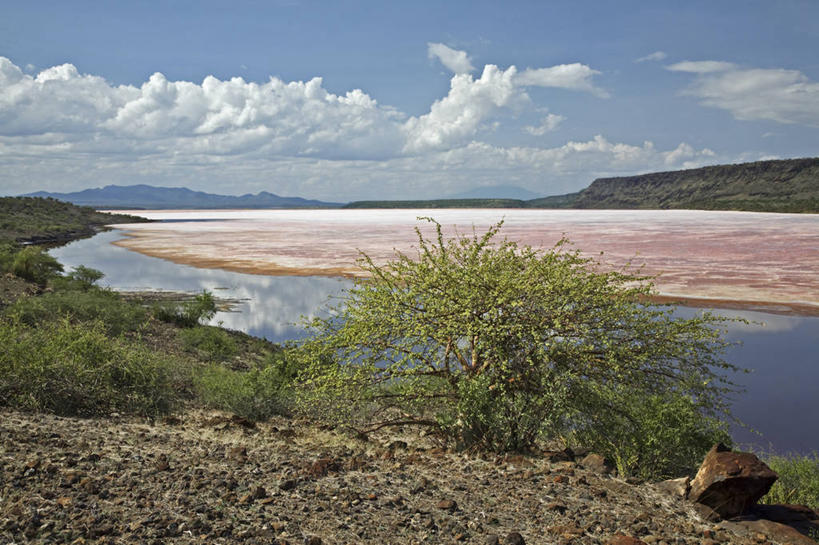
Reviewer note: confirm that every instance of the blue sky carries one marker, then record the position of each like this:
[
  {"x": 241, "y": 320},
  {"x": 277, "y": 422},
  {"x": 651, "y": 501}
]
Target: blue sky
[{"x": 352, "y": 100}]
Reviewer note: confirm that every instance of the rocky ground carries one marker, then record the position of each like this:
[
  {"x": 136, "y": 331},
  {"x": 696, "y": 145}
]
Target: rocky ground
[{"x": 206, "y": 477}]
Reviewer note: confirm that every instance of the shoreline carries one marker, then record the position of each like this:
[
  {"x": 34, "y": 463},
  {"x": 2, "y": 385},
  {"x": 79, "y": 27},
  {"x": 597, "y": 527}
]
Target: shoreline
[{"x": 785, "y": 308}]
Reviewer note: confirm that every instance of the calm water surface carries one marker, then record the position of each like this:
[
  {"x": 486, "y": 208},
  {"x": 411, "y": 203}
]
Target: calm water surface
[{"x": 780, "y": 401}]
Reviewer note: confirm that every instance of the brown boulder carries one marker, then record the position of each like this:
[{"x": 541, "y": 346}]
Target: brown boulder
[
  {"x": 596, "y": 463},
  {"x": 729, "y": 482},
  {"x": 768, "y": 529}
]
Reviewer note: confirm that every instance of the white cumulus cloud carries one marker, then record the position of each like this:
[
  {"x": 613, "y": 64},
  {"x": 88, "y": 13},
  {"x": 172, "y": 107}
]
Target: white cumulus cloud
[
  {"x": 457, "y": 116},
  {"x": 547, "y": 124},
  {"x": 64, "y": 130},
  {"x": 701, "y": 67},
  {"x": 574, "y": 76},
  {"x": 773, "y": 94},
  {"x": 455, "y": 60}
]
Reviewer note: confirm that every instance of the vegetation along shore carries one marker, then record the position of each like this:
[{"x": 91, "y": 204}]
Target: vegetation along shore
[{"x": 482, "y": 392}]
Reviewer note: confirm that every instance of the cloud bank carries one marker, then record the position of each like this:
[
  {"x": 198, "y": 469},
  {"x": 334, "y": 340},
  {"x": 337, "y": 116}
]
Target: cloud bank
[
  {"x": 64, "y": 130},
  {"x": 772, "y": 94}
]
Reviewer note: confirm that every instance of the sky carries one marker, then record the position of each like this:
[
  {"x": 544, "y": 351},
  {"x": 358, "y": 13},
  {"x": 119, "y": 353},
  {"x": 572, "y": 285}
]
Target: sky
[{"x": 349, "y": 100}]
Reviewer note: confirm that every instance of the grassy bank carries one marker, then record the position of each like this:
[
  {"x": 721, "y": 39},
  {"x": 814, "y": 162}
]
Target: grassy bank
[{"x": 43, "y": 221}]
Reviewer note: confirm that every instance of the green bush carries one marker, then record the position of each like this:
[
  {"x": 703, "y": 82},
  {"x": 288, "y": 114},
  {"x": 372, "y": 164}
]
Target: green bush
[
  {"x": 211, "y": 342},
  {"x": 189, "y": 313},
  {"x": 86, "y": 277},
  {"x": 76, "y": 370},
  {"x": 798, "y": 480},
  {"x": 255, "y": 394},
  {"x": 35, "y": 265},
  {"x": 498, "y": 345},
  {"x": 105, "y": 306},
  {"x": 8, "y": 250},
  {"x": 659, "y": 436}
]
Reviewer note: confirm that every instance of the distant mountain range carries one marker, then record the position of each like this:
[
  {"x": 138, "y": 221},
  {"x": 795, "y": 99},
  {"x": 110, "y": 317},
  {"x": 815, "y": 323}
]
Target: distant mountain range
[
  {"x": 149, "y": 197},
  {"x": 497, "y": 192},
  {"x": 788, "y": 185}
]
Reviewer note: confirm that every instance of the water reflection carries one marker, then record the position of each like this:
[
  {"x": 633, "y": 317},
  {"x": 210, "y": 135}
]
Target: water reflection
[
  {"x": 780, "y": 400},
  {"x": 270, "y": 307}
]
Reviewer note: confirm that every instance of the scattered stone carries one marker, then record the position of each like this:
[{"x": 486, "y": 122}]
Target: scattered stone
[
  {"x": 246, "y": 498},
  {"x": 33, "y": 464},
  {"x": 106, "y": 471},
  {"x": 514, "y": 538},
  {"x": 447, "y": 505},
  {"x": 237, "y": 453},
  {"x": 675, "y": 487},
  {"x": 730, "y": 482},
  {"x": 565, "y": 455},
  {"x": 322, "y": 467},
  {"x": 567, "y": 531},
  {"x": 558, "y": 507},
  {"x": 162, "y": 463},
  {"x": 620, "y": 539},
  {"x": 595, "y": 463},
  {"x": 259, "y": 493},
  {"x": 288, "y": 484},
  {"x": 242, "y": 422},
  {"x": 397, "y": 445}
]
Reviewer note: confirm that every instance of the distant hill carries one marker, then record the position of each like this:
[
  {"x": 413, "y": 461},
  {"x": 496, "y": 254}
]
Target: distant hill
[
  {"x": 440, "y": 203},
  {"x": 497, "y": 192},
  {"x": 150, "y": 197},
  {"x": 788, "y": 185}
]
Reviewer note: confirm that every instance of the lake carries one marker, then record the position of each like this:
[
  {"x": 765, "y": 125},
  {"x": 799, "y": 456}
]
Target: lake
[{"x": 780, "y": 399}]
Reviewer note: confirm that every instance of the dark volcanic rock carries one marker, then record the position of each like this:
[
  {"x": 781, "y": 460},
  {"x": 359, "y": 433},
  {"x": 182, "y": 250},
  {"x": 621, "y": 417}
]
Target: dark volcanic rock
[{"x": 729, "y": 482}]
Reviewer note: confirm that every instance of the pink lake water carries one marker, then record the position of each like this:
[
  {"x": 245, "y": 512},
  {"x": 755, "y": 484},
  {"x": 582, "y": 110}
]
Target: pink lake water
[{"x": 760, "y": 260}]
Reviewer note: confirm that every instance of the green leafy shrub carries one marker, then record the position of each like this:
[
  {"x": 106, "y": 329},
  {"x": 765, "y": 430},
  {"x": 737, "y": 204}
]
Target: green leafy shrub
[
  {"x": 659, "y": 436},
  {"x": 76, "y": 370},
  {"x": 256, "y": 394},
  {"x": 211, "y": 342},
  {"x": 497, "y": 345},
  {"x": 798, "y": 480},
  {"x": 189, "y": 313},
  {"x": 35, "y": 265},
  {"x": 104, "y": 306},
  {"x": 86, "y": 277},
  {"x": 8, "y": 250}
]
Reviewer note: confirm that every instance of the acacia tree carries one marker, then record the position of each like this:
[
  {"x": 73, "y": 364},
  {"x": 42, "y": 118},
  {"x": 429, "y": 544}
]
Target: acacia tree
[
  {"x": 35, "y": 264},
  {"x": 494, "y": 343}
]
